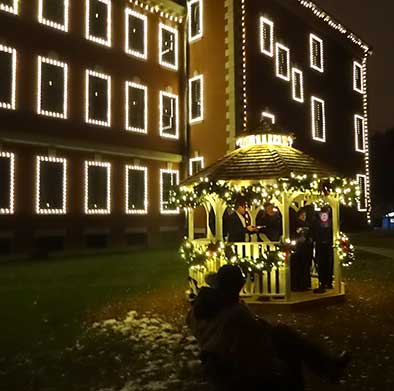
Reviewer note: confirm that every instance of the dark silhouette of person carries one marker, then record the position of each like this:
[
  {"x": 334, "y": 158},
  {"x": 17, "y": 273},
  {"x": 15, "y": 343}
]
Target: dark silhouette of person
[
  {"x": 269, "y": 221},
  {"x": 240, "y": 351}
]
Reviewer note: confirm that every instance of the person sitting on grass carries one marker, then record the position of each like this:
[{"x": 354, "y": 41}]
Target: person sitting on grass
[{"x": 243, "y": 352}]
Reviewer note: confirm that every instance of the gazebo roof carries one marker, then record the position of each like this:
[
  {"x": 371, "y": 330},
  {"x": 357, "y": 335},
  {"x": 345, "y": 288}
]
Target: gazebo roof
[{"x": 262, "y": 162}]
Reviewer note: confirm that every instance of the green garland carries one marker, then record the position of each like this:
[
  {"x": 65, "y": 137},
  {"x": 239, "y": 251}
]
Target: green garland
[
  {"x": 194, "y": 196},
  {"x": 345, "y": 250}
]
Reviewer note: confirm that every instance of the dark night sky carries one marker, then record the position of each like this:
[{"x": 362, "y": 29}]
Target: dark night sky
[{"x": 373, "y": 22}]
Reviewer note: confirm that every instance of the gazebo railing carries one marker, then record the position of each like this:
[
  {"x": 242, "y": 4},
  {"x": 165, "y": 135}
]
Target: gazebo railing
[{"x": 263, "y": 283}]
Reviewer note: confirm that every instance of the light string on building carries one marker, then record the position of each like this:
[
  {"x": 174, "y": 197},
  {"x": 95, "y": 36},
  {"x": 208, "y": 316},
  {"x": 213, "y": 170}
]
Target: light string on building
[
  {"x": 359, "y": 128},
  {"x": 128, "y": 125},
  {"x": 11, "y": 105},
  {"x": 282, "y": 50},
  {"x": 42, "y": 19},
  {"x": 358, "y": 73},
  {"x": 315, "y": 102},
  {"x": 200, "y": 80},
  {"x": 164, "y": 204},
  {"x": 9, "y": 209},
  {"x": 12, "y": 9},
  {"x": 174, "y": 47},
  {"x": 129, "y": 210},
  {"x": 48, "y": 210},
  {"x": 362, "y": 204},
  {"x": 155, "y": 9},
  {"x": 200, "y": 33},
  {"x": 266, "y": 23},
  {"x": 131, "y": 13},
  {"x": 174, "y": 115},
  {"x": 297, "y": 85},
  {"x": 314, "y": 57},
  {"x": 244, "y": 77},
  {"x": 197, "y": 159},
  {"x": 88, "y": 35}
]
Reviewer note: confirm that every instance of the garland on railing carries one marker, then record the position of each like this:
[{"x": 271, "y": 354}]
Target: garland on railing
[
  {"x": 346, "y": 190},
  {"x": 345, "y": 250},
  {"x": 198, "y": 256}
]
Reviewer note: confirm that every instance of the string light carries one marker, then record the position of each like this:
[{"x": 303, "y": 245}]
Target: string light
[
  {"x": 40, "y": 109},
  {"x": 359, "y": 130},
  {"x": 91, "y": 37},
  {"x": 155, "y": 9},
  {"x": 163, "y": 202},
  {"x": 316, "y": 58},
  {"x": 96, "y": 210},
  {"x": 56, "y": 25},
  {"x": 298, "y": 85},
  {"x": 198, "y": 159},
  {"x": 129, "y": 13},
  {"x": 358, "y": 82},
  {"x": 244, "y": 73},
  {"x": 90, "y": 73},
  {"x": 282, "y": 51},
  {"x": 47, "y": 210},
  {"x": 266, "y": 114},
  {"x": 266, "y": 45},
  {"x": 316, "y": 102},
  {"x": 173, "y": 47},
  {"x": 12, "y": 9},
  {"x": 11, "y": 105},
  {"x": 9, "y": 209},
  {"x": 264, "y": 139},
  {"x": 129, "y": 126},
  {"x": 144, "y": 171},
  {"x": 362, "y": 205},
  {"x": 190, "y": 6},
  {"x": 174, "y": 116},
  {"x": 199, "y": 80}
]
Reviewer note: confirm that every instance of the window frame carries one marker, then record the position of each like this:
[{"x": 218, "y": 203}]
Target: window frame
[
  {"x": 10, "y": 105},
  {"x": 107, "y": 210},
  {"x": 162, "y": 210},
  {"x": 295, "y": 71},
  {"x": 174, "y": 31},
  {"x": 14, "y": 9},
  {"x": 314, "y": 137},
  {"x": 195, "y": 159},
  {"x": 144, "y": 88},
  {"x": 127, "y": 194},
  {"x": 314, "y": 38},
  {"x": 191, "y": 81},
  {"x": 263, "y": 21},
  {"x": 279, "y": 46},
  {"x": 51, "y": 211},
  {"x": 189, "y": 8},
  {"x": 11, "y": 208},
  {"x": 47, "y": 22},
  {"x": 356, "y": 65},
  {"x": 358, "y": 117},
  {"x": 130, "y": 12},
  {"x": 59, "y": 64},
  {"x": 108, "y": 41},
  {"x": 162, "y": 133},
  {"x": 363, "y": 192}
]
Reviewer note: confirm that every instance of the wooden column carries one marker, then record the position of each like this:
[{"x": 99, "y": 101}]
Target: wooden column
[{"x": 190, "y": 223}]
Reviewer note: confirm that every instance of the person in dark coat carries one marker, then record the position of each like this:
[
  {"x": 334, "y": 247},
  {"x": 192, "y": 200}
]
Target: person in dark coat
[
  {"x": 240, "y": 351},
  {"x": 301, "y": 259},
  {"x": 269, "y": 222},
  {"x": 324, "y": 252}
]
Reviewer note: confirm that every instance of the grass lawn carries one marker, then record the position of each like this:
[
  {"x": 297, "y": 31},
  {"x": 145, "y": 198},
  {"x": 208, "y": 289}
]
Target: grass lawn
[{"x": 47, "y": 307}]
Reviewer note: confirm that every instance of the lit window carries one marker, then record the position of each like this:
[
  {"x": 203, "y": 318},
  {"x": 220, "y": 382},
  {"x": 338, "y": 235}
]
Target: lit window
[
  {"x": 51, "y": 185},
  {"x": 298, "y": 85},
  {"x": 54, "y": 13},
  {"x": 136, "y": 34},
  {"x": 282, "y": 62},
  {"x": 196, "y": 99},
  {"x": 168, "y": 46},
  {"x": 196, "y": 165},
  {"x": 168, "y": 179},
  {"x": 362, "y": 185},
  {"x": 271, "y": 117},
  {"x": 98, "y": 21},
  {"x": 358, "y": 77},
  {"x": 169, "y": 115},
  {"x": 10, "y": 6},
  {"x": 136, "y": 190},
  {"x": 52, "y": 88},
  {"x": 267, "y": 36},
  {"x": 7, "y": 183},
  {"x": 194, "y": 8},
  {"x": 8, "y": 77},
  {"x": 318, "y": 119},
  {"x": 359, "y": 133},
  {"x": 97, "y": 188},
  {"x": 316, "y": 53},
  {"x": 98, "y": 98},
  {"x": 136, "y": 107}
]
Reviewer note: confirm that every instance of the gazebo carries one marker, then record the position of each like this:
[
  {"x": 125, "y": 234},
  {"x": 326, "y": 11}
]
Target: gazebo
[{"x": 264, "y": 167}]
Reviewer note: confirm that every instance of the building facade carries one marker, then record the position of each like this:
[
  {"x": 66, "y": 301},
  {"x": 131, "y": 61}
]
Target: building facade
[{"x": 104, "y": 105}]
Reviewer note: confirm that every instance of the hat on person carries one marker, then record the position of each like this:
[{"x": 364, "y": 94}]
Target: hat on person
[{"x": 229, "y": 279}]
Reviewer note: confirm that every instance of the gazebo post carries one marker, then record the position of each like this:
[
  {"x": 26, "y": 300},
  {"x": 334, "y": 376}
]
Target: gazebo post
[
  {"x": 207, "y": 207},
  {"x": 335, "y": 232},
  {"x": 286, "y": 235},
  {"x": 190, "y": 223},
  {"x": 220, "y": 207}
]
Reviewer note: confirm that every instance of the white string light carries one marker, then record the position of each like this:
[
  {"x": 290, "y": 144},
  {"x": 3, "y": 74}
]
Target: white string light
[
  {"x": 40, "y": 109},
  {"x": 155, "y": 9},
  {"x": 129, "y": 13},
  {"x": 315, "y": 57},
  {"x": 174, "y": 116},
  {"x": 98, "y": 211},
  {"x": 56, "y": 25},
  {"x": 12, "y": 9},
  {"x": 358, "y": 82},
  {"x": 298, "y": 85},
  {"x": 163, "y": 209},
  {"x": 282, "y": 50},
  {"x": 190, "y": 5},
  {"x": 362, "y": 183},
  {"x": 266, "y": 114},
  {"x": 144, "y": 170},
  {"x": 9, "y": 209},
  {"x": 127, "y": 107},
  {"x": 88, "y": 74},
  {"x": 359, "y": 129},
  {"x": 174, "y": 47},
  {"x": 195, "y": 160},
  {"x": 48, "y": 210},
  {"x": 244, "y": 73},
  {"x": 315, "y": 132},
  {"x": 266, "y": 24},
  {"x": 200, "y": 81},
  {"x": 91, "y": 37},
  {"x": 11, "y": 105}
]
